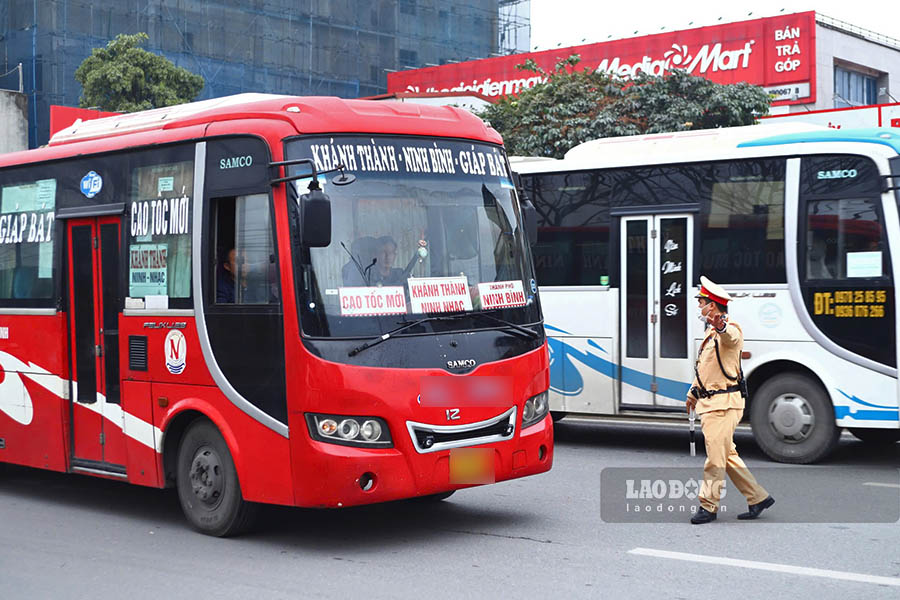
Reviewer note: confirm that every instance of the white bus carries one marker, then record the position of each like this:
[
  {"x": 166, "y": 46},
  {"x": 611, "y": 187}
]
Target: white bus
[{"x": 798, "y": 223}]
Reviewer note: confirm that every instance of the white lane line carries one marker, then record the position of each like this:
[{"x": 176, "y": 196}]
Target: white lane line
[
  {"x": 765, "y": 566},
  {"x": 879, "y": 484}
]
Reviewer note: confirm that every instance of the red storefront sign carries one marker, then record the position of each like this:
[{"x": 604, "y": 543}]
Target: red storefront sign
[{"x": 778, "y": 53}]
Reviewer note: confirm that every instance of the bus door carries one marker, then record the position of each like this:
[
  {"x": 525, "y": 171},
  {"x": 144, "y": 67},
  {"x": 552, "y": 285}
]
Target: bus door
[
  {"x": 94, "y": 249},
  {"x": 656, "y": 366}
]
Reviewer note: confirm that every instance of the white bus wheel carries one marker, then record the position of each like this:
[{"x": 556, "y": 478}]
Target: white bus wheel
[{"x": 793, "y": 419}]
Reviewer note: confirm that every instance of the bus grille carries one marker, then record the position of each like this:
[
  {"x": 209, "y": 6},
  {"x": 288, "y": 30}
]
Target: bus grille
[{"x": 431, "y": 438}]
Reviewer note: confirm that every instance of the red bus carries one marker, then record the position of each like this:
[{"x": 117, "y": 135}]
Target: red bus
[{"x": 268, "y": 299}]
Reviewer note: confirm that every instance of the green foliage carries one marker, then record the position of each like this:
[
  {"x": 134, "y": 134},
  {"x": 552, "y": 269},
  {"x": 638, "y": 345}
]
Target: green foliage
[
  {"x": 577, "y": 105},
  {"x": 124, "y": 77}
]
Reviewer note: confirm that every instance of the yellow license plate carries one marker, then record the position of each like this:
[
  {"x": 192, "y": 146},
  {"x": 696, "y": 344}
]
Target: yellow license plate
[{"x": 471, "y": 466}]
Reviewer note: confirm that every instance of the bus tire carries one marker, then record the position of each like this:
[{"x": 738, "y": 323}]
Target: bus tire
[
  {"x": 207, "y": 482},
  {"x": 793, "y": 419},
  {"x": 556, "y": 415},
  {"x": 436, "y": 497},
  {"x": 876, "y": 436}
]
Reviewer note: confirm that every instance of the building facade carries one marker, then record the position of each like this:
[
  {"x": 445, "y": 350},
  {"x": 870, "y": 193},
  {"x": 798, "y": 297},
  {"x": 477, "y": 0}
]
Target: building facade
[
  {"x": 13, "y": 121},
  {"x": 305, "y": 47},
  {"x": 806, "y": 62}
]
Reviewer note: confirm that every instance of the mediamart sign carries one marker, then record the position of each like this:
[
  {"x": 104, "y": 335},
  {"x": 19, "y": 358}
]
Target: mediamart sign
[{"x": 777, "y": 53}]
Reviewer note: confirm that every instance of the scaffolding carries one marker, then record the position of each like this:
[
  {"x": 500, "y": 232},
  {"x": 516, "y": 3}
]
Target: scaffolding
[
  {"x": 514, "y": 26},
  {"x": 306, "y": 47}
]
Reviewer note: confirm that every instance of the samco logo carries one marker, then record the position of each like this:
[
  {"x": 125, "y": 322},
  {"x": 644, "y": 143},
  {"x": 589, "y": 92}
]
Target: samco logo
[
  {"x": 235, "y": 162},
  {"x": 837, "y": 174},
  {"x": 175, "y": 352},
  {"x": 466, "y": 363}
]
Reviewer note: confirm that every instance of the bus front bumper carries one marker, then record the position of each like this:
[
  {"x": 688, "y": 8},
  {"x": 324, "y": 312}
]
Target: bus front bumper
[{"x": 340, "y": 476}]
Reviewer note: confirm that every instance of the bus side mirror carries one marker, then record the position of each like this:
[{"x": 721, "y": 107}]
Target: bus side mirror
[
  {"x": 315, "y": 217},
  {"x": 529, "y": 214}
]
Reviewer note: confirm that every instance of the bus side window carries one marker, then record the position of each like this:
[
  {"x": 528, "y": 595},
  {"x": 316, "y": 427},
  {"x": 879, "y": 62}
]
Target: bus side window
[
  {"x": 159, "y": 226},
  {"x": 27, "y": 269},
  {"x": 844, "y": 239},
  {"x": 573, "y": 227},
  {"x": 246, "y": 271}
]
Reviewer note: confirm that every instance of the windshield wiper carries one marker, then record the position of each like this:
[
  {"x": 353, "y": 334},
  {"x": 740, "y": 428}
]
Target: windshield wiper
[
  {"x": 523, "y": 330},
  {"x": 387, "y": 336},
  {"x": 363, "y": 272},
  {"x": 529, "y": 333}
]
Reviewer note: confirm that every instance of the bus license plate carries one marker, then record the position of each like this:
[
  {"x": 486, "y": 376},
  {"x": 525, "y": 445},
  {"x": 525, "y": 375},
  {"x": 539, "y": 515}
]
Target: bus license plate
[{"x": 470, "y": 466}]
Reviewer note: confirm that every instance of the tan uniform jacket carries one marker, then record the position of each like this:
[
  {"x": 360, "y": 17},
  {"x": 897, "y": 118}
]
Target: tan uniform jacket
[{"x": 731, "y": 342}]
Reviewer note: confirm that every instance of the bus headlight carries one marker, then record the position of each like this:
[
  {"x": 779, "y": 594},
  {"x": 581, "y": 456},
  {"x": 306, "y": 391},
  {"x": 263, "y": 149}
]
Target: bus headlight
[
  {"x": 365, "y": 432},
  {"x": 349, "y": 429},
  {"x": 535, "y": 409},
  {"x": 370, "y": 431}
]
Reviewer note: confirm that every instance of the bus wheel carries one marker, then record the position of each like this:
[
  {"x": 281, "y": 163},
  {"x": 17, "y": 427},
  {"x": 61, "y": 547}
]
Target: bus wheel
[
  {"x": 556, "y": 415},
  {"x": 793, "y": 419},
  {"x": 207, "y": 482},
  {"x": 877, "y": 436}
]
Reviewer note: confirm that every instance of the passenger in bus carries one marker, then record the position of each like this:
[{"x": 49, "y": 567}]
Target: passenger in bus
[
  {"x": 817, "y": 268},
  {"x": 384, "y": 272},
  {"x": 717, "y": 394},
  {"x": 226, "y": 280}
]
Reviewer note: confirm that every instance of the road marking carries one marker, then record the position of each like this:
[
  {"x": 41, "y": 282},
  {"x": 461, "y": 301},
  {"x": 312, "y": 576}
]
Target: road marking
[
  {"x": 879, "y": 484},
  {"x": 765, "y": 566}
]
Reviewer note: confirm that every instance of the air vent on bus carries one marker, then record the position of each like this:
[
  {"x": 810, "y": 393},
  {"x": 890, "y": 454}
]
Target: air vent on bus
[
  {"x": 430, "y": 438},
  {"x": 137, "y": 352}
]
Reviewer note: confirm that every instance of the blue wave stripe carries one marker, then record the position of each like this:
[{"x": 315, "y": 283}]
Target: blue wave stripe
[
  {"x": 841, "y": 412},
  {"x": 565, "y": 378},
  {"x": 858, "y": 401}
]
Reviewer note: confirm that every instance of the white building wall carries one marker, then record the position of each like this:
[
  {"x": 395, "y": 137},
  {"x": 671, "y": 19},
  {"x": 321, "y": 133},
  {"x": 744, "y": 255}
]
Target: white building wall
[
  {"x": 844, "y": 47},
  {"x": 13, "y": 122}
]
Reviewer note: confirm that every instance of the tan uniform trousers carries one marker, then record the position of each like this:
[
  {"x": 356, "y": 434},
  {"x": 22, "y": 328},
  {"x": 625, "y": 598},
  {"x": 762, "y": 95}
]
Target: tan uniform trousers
[{"x": 722, "y": 458}]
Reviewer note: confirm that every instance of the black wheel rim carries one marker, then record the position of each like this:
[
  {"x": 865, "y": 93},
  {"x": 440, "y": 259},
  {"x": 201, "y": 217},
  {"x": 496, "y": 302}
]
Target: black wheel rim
[{"x": 207, "y": 477}]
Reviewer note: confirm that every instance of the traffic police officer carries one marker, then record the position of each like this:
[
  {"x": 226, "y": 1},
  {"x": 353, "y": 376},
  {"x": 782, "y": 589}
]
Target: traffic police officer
[{"x": 717, "y": 396}]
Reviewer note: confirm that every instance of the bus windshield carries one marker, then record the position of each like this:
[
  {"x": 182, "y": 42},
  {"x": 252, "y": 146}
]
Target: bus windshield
[{"x": 428, "y": 227}]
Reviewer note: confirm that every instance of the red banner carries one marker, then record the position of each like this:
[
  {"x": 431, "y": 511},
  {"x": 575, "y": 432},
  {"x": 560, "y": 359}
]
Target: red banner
[{"x": 777, "y": 53}]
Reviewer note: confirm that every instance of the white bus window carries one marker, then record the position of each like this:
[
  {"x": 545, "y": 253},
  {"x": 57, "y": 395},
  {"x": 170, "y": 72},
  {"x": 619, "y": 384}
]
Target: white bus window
[
  {"x": 742, "y": 223},
  {"x": 845, "y": 239},
  {"x": 573, "y": 227}
]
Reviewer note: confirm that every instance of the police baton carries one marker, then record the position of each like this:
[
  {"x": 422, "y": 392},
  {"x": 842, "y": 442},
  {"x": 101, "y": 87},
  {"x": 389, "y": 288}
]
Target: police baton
[{"x": 691, "y": 418}]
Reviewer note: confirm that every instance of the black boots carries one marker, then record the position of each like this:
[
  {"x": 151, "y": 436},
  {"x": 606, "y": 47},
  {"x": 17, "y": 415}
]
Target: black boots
[
  {"x": 755, "y": 509},
  {"x": 703, "y": 516}
]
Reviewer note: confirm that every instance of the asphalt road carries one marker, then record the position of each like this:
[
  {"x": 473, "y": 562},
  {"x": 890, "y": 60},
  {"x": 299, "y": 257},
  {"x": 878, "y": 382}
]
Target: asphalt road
[{"x": 67, "y": 536}]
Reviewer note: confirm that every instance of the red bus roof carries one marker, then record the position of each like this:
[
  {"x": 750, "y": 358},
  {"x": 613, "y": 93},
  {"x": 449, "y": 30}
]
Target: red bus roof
[{"x": 296, "y": 114}]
